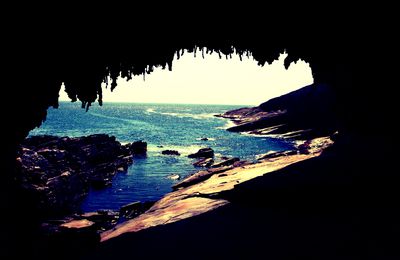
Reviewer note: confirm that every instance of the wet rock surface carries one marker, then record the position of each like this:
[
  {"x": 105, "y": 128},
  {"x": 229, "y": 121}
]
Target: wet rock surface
[
  {"x": 207, "y": 190},
  {"x": 82, "y": 231},
  {"x": 57, "y": 171},
  {"x": 226, "y": 162},
  {"x": 203, "y": 162}
]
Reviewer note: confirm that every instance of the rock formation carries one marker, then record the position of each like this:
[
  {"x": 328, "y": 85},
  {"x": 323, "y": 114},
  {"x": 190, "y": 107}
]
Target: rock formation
[
  {"x": 226, "y": 162},
  {"x": 170, "y": 152},
  {"x": 83, "y": 60},
  {"x": 302, "y": 114},
  {"x": 58, "y": 171},
  {"x": 203, "y": 153},
  {"x": 203, "y": 162},
  {"x": 204, "y": 191}
]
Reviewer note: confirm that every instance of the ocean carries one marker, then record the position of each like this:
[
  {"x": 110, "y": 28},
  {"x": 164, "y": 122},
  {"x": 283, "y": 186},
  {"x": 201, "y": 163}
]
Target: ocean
[{"x": 163, "y": 126}]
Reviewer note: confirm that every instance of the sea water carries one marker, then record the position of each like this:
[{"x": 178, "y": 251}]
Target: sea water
[{"x": 178, "y": 127}]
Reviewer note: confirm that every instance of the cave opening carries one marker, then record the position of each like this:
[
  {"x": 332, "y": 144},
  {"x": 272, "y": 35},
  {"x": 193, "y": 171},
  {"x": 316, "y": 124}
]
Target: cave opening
[
  {"x": 329, "y": 209},
  {"x": 171, "y": 110}
]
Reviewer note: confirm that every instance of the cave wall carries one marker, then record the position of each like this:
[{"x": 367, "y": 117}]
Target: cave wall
[
  {"x": 39, "y": 67},
  {"x": 40, "y": 62},
  {"x": 84, "y": 67}
]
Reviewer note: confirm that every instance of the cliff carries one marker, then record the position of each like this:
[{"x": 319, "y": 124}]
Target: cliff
[{"x": 302, "y": 114}]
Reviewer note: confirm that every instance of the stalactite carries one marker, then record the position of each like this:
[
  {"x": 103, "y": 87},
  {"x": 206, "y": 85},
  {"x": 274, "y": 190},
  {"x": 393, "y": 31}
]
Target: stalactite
[
  {"x": 169, "y": 65},
  {"x": 100, "y": 95},
  {"x": 88, "y": 104},
  {"x": 136, "y": 62}
]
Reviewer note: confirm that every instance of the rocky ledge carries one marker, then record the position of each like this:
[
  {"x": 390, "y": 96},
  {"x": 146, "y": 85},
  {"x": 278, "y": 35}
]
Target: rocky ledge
[
  {"x": 56, "y": 172},
  {"x": 203, "y": 191},
  {"x": 303, "y": 114}
]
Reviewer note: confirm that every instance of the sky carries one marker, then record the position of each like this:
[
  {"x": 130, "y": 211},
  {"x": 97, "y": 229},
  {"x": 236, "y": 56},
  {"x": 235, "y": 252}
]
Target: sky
[{"x": 194, "y": 80}]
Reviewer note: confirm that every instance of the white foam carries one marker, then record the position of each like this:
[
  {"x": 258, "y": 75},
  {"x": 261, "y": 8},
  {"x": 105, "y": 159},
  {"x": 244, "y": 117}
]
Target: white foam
[
  {"x": 255, "y": 135},
  {"x": 183, "y": 150},
  {"x": 228, "y": 124},
  {"x": 194, "y": 116}
]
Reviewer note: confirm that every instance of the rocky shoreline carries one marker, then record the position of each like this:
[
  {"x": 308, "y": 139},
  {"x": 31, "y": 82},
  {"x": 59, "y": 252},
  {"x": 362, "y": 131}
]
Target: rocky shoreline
[
  {"x": 203, "y": 191},
  {"x": 303, "y": 114},
  {"x": 196, "y": 194},
  {"x": 57, "y": 172}
]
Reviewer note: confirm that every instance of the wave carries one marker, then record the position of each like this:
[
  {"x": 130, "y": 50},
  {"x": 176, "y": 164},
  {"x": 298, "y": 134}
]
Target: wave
[
  {"x": 182, "y": 115},
  {"x": 129, "y": 121},
  {"x": 183, "y": 150},
  {"x": 194, "y": 116},
  {"x": 228, "y": 124},
  {"x": 255, "y": 135}
]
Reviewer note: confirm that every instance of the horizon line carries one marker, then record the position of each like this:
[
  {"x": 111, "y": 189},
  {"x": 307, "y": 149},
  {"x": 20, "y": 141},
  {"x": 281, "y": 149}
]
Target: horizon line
[{"x": 159, "y": 103}]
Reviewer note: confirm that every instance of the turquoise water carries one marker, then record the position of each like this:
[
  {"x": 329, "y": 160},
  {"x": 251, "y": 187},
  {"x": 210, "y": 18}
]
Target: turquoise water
[{"x": 172, "y": 126}]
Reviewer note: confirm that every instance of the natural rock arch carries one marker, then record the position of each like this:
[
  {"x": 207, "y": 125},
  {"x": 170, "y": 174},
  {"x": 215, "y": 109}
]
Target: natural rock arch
[{"x": 82, "y": 69}]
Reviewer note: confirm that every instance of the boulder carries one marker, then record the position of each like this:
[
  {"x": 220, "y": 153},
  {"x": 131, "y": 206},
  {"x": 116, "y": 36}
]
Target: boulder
[
  {"x": 304, "y": 147},
  {"x": 171, "y": 152},
  {"x": 138, "y": 148},
  {"x": 203, "y": 153}
]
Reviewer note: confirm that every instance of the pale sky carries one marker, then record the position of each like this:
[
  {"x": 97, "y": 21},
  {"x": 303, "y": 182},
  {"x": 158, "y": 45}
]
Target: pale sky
[{"x": 194, "y": 80}]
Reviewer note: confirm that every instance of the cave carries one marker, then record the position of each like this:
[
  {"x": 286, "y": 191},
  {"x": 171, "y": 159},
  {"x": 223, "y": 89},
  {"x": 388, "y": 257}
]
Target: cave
[{"x": 358, "y": 190}]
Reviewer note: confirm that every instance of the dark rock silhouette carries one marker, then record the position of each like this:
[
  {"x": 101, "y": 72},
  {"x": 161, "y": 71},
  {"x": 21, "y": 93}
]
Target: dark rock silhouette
[
  {"x": 302, "y": 114},
  {"x": 171, "y": 152},
  {"x": 58, "y": 171},
  {"x": 203, "y": 153},
  {"x": 137, "y": 148}
]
